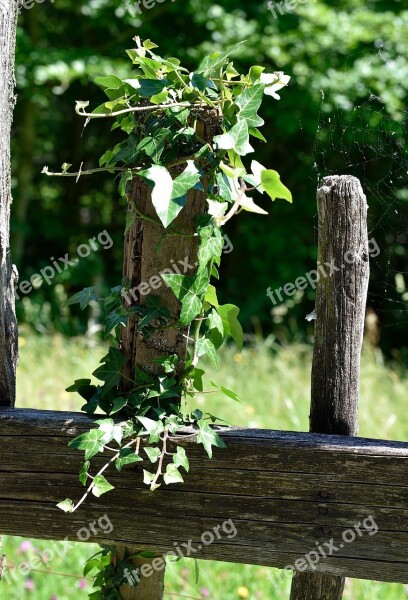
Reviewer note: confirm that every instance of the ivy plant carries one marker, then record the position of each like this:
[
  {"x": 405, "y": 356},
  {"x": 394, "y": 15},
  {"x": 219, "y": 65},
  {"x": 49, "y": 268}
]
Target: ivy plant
[{"x": 158, "y": 108}]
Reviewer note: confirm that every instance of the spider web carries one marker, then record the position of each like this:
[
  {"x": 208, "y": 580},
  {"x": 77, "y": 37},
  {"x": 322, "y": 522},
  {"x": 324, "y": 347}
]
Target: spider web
[{"x": 360, "y": 137}]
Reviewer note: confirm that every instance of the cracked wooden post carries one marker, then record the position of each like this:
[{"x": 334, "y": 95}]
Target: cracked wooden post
[
  {"x": 341, "y": 293},
  {"x": 8, "y": 325},
  {"x": 147, "y": 253}
]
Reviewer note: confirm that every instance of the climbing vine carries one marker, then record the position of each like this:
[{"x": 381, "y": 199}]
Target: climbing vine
[{"x": 159, "y": 108}]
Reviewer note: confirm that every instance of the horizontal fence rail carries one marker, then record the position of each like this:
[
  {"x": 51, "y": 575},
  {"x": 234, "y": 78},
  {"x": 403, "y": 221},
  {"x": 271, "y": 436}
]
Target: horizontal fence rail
[{"x": 286, "y": 494}]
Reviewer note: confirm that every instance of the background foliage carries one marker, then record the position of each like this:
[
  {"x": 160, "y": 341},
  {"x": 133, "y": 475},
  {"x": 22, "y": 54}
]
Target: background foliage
[{"x": 351, "y": 50}]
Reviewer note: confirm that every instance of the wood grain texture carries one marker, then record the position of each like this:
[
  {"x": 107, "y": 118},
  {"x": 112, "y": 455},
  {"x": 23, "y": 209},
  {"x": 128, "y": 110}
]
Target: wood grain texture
[
  {"x": 283, "y": 491},
  {"x": 149, "y": 250},
  {"x": 341, "y": 295},
  {"x": 8, "y": 326}
]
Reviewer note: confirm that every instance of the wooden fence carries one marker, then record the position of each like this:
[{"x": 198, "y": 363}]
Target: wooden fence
[{"x": 287, "y": 494}]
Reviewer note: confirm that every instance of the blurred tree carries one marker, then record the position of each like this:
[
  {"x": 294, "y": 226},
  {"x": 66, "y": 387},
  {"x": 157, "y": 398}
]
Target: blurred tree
[{"x": 350, "y": 49}]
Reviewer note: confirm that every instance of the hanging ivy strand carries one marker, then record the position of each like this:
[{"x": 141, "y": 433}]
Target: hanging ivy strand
[{"x": 159, "y": 108}]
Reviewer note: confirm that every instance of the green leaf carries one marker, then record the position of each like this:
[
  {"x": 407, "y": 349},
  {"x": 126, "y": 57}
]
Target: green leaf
[
  {"x": 91, "y": 442},
  {"x": 189, "y": 290},
  {"x": 211, "y": 296},
  {"x": 208, "y": 437},
  {"x": 111, "y": 81},
  {"x": 172, "y": 475},
  {"x": 166, "y": 210},
  {"x": 67, "y": 506},
  {"x": 215, "y": 322},
  {"x": 229, "y": 315},
  {"x": 186, "y": 181},
  {"x": 152, "y": 87},
  {"x": 78, "y": 384},
  {"x": 84, "y": 297},
  {"x": 236, "y": 139},
  {"x": 83, "y": 472},
  {"x": 101, "y": 486},
  {"x": 113, "y": 319},
  {"x": 148, "y": 424},
  {"x": 215, "y": 61},
  {"x": 153, "y": 454},
  {"x": 127, "y": 456},
  {"x": 205, "y": 346},
  {"x": 273, "y": 185},
  {"x": 180, "y": 458},
  {"x": 249, "y": 102},
  {"x": 118, "y": 404},
  {"x": 230, "y": 394},
  {"x": 210, "y": 247},
  {"x": 110, "y": 370}
]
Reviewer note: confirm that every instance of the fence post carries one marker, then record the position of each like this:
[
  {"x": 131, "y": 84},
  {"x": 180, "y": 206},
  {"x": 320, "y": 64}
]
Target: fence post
[
  {"x": 341, "y": 292},
  {"x": 8, "y": 326},
  {"x": 147, "y": 252}
]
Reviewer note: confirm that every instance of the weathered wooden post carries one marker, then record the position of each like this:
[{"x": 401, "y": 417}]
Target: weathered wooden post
[
  {"x": 149, "y": 249},
  {"x": 8, "y": 326},
  {"x": 343, "y": 267}
]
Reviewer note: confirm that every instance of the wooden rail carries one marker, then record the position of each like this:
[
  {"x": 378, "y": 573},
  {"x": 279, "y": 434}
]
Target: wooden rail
[{"x": 285, "y": 493}]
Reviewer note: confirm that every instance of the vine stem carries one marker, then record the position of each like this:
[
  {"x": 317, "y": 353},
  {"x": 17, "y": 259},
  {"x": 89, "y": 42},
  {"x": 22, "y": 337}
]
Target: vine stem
[
  {"x": 237, "y": 204},
  {"x": 90, "y": 488},
  {"x": 117, "y": 113},
  {"x": 161, "y": 459}
]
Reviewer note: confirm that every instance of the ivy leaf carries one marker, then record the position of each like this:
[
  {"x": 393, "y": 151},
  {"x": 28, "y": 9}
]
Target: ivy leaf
[
  {"x": 205, "y": 346},
  {"x": 249, "y": 102},
  {"x": 84, "y": 297},
  {"x": 114, "y": 319},
  {"x": 111, "y": 81},
  {"x": 236, "y": 139},
  {"x": 273, "y": 185},
  {"x": 127, "y": 456},
  {"x": 109, "y": 371},
  {"x": 172, "y": 475},
  {"x": 67, "y": 506},
  {"x": 148, "y": 424},
  {"x": 152, "y": 87},
  {"x": 153, "y": 145},
  {"x": 153, "y": 454},
  {"x": 230, "y": 394},
  {"x": 189, "y": 291},
  {"x": 229, "y": 315},
  {"x": 215, "y": 61},
  {"x": 208, "y": 437},
  {"x": 215, "y": 322},
  {"x": 186, "y": 181},
  {"x": 83, "y": 472},
  {"x": 210, "y": 247},
  {"x": 211, "y": 296},
  {"x": 161, "y": 195},
  {"x": 91, "y": 442},
  {"x": 101, "y": 486},
  {"x": 180, "y": 459},
  {"x": 118, "y": 404}
]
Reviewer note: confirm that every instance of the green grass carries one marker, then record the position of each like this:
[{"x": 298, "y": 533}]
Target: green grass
[{"x": 274, "y": 386}]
